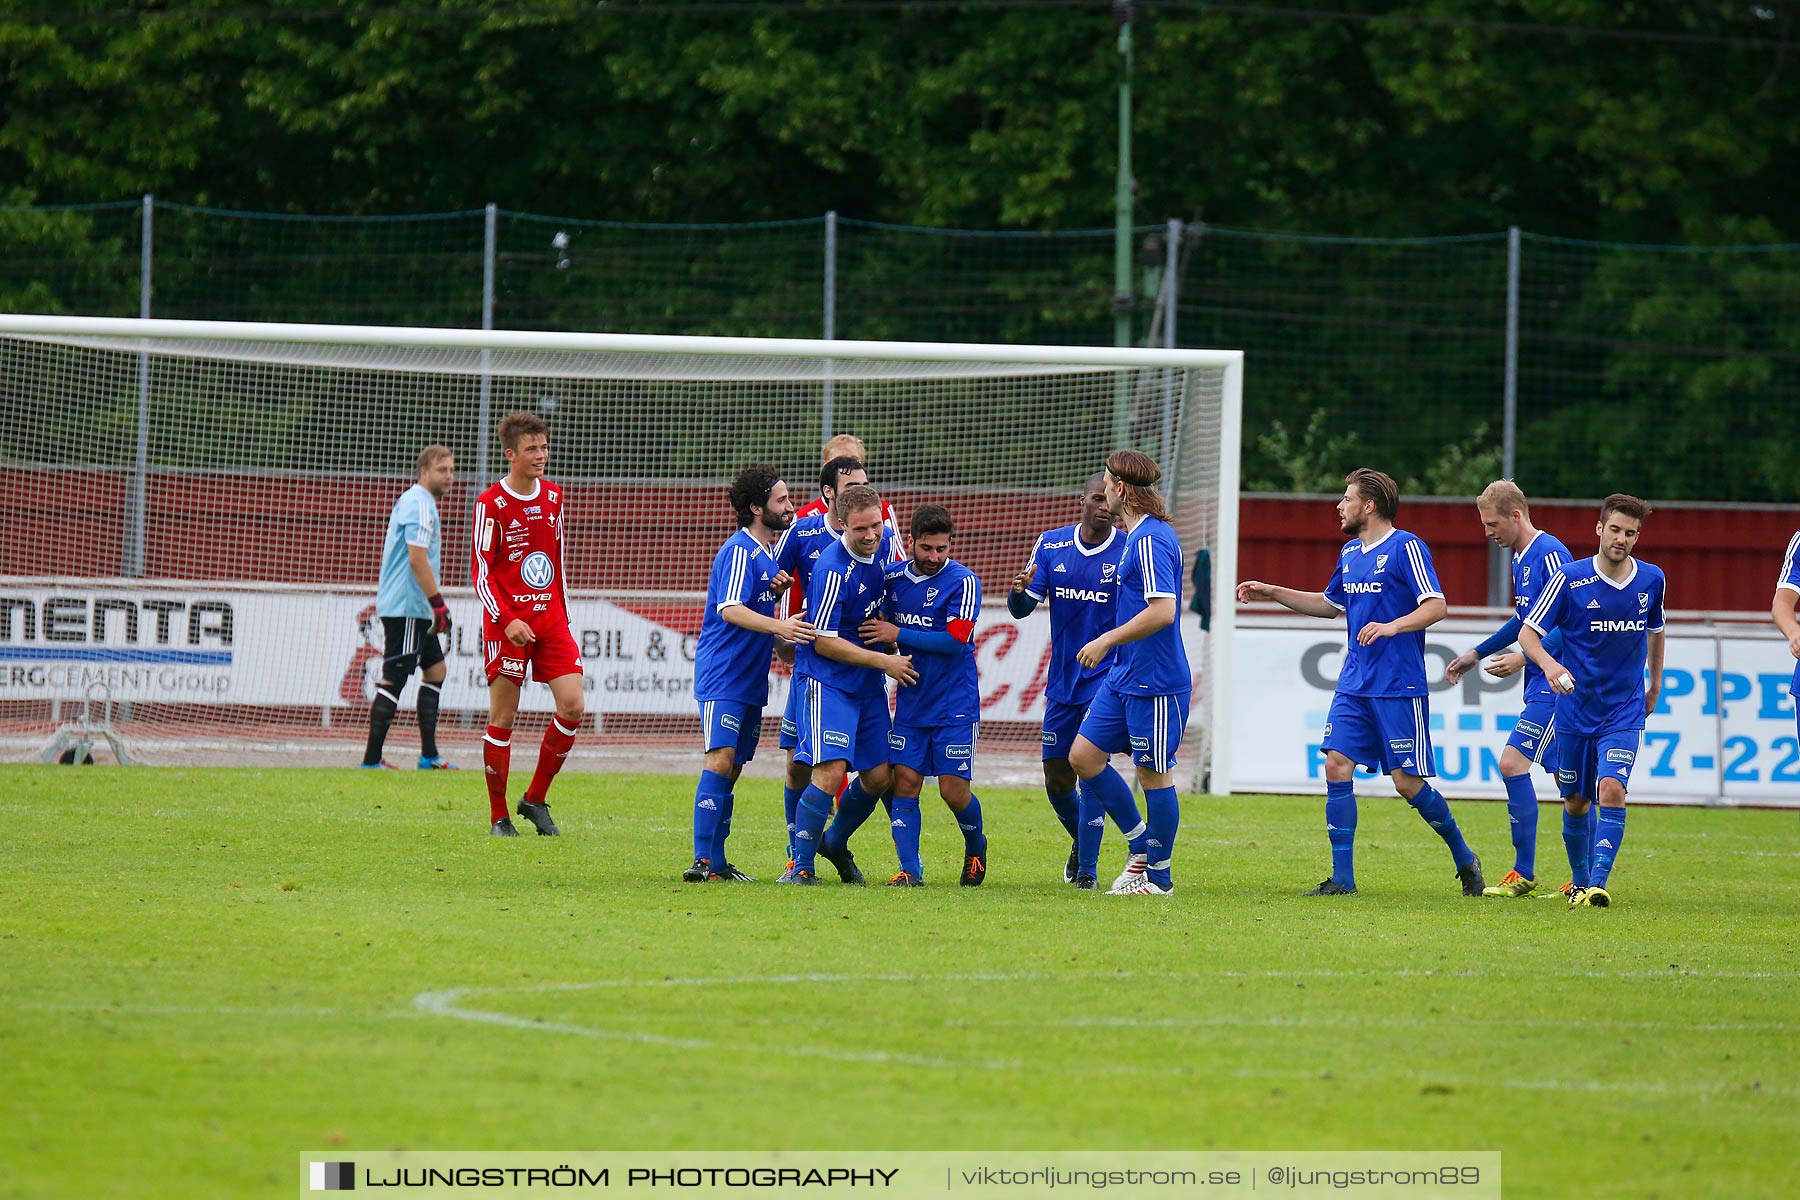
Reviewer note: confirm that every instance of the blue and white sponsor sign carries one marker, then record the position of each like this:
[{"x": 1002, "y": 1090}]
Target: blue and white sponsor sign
[{"x": 1723, "y": 728}]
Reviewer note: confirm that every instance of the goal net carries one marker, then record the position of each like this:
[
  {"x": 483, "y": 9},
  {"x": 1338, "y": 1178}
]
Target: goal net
[{"x": 196, "y": 512}]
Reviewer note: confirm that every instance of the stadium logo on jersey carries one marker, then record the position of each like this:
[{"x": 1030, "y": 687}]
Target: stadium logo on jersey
[
  {"x": 1057, "y": 545},
  {"x": 897, "y": 741},
  {"x": 1621, "y": 756},
  {"x": 957, "y": 751},
  {"x": 834, "y": 738},
  {"x": 1615, "y": 627},
  {"x": 537, "y": 570},
  {"x": 1530, "y": 728}
]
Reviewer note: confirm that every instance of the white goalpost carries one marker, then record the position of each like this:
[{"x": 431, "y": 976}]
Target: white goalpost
[{"x": 196, "y": 510}]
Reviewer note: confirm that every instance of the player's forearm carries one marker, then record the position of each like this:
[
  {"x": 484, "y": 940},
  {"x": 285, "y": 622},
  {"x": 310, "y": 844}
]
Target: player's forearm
[
  {"x": 1429, "y": 613},
  {"x": 1654, "y": 666},
  {"x": 839, "y": 649},
  {"x": 1782, "y": 610},
  {"x": 1307, "y": 604},
  {"x": 421, "y": 569},
  {"x": 931, "y": 642},
  {"x": 745, "y": 617},
  {"x": 1532, "y": 643},
  {"x": 1501, "y": 638},
  {"x": 1021, "y": 604},
  {"x": 1158, "y": 615}
]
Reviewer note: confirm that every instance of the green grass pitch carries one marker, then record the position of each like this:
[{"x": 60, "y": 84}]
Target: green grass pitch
[{"x": 204, "y": 972}]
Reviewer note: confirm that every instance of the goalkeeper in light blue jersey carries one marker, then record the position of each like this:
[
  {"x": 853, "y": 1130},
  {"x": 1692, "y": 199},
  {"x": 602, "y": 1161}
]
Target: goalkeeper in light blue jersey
[
  {"x": 1609, "y": 610},
  {"x": 410, "y": 602},
  {"x": 1388, "y": 591},
  {"x": 1536, "y": 555}
]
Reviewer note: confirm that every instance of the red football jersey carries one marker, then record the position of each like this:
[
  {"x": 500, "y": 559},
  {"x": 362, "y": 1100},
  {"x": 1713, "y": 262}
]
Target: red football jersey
[{"x": 518, "y": 557}]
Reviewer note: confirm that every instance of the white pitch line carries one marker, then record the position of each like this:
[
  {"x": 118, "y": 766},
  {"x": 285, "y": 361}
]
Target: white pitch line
[{"x": 445, "y": 1004}]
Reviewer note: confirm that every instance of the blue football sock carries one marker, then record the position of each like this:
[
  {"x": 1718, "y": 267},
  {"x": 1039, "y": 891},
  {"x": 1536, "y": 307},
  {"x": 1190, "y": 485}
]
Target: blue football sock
[
  {"x": 1431, "y": 805},
  {"x": 1065, "y": 804},
  {"x": 723, "y": 831},
  {"x": 790, "y": 800},
  {"x": 1122, "y": 807},
  {"x": 969, "y": 821},
  {"x": 809, "y": 824},
  {"x": 1578, "y": 844},
  {"x": 1593, "y": 824},
  {"x": 906, "y": 835},
  {"x": 1608, "y": 839},
  {"x": 1521, "y": 810},
  {"x": 709, "y": 802},
  {"x": 1164, "y": 808},
  {"x": 1091, "y": 813},
  {"x": 853, "y": 810},
  {"x": 1340, "y": 830}
]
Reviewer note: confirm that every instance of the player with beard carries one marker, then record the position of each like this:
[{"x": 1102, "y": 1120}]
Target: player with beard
[
  {"x": 1388, "y": 591},
  {"x": 731, "y": 661}
]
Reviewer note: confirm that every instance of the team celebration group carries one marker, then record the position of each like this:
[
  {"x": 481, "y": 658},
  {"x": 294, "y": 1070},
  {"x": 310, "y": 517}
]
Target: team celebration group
[{"x": 834, "y": 589}]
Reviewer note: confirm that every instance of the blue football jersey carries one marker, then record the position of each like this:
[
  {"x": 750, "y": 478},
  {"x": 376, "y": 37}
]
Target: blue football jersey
[
  {"x": 842, "y": 592},
  {"x": 1531, "y": 568},
  {"x": 801, "y": 543},
  {"x": 1081, "y": 584},
  {"x": 1606, "y": 630},
  {"x": 1790, "y": 579},
  {"x": 1150, "y": 567},
  {"x": 731, "y": 662},
  {"x": 1377, "y": 584},
  {"x": 414, "y": 522},
  {"x": 948, "y": 692}
]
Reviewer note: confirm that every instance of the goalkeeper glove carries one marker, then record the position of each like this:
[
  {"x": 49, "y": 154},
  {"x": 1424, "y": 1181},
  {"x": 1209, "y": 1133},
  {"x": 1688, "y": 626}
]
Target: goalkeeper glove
[{"x": 440, "y": 613}]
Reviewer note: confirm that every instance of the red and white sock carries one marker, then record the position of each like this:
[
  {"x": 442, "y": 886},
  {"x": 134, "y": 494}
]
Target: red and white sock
[
  {"x": 558, "y": 738},
  {"x": 496, "y": 755}
]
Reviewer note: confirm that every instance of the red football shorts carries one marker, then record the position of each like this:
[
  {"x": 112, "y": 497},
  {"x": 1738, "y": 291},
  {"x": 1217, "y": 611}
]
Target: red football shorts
[{"x": 553, "y": 654}]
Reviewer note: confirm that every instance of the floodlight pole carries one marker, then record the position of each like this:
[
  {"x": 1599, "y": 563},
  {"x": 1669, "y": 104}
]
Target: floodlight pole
[{"x": 1122, "y": 215}]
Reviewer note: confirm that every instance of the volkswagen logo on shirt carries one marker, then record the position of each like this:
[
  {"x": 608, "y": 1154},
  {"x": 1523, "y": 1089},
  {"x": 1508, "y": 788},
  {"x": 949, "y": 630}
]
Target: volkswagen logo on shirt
[{"x": 537, "y": 570}]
